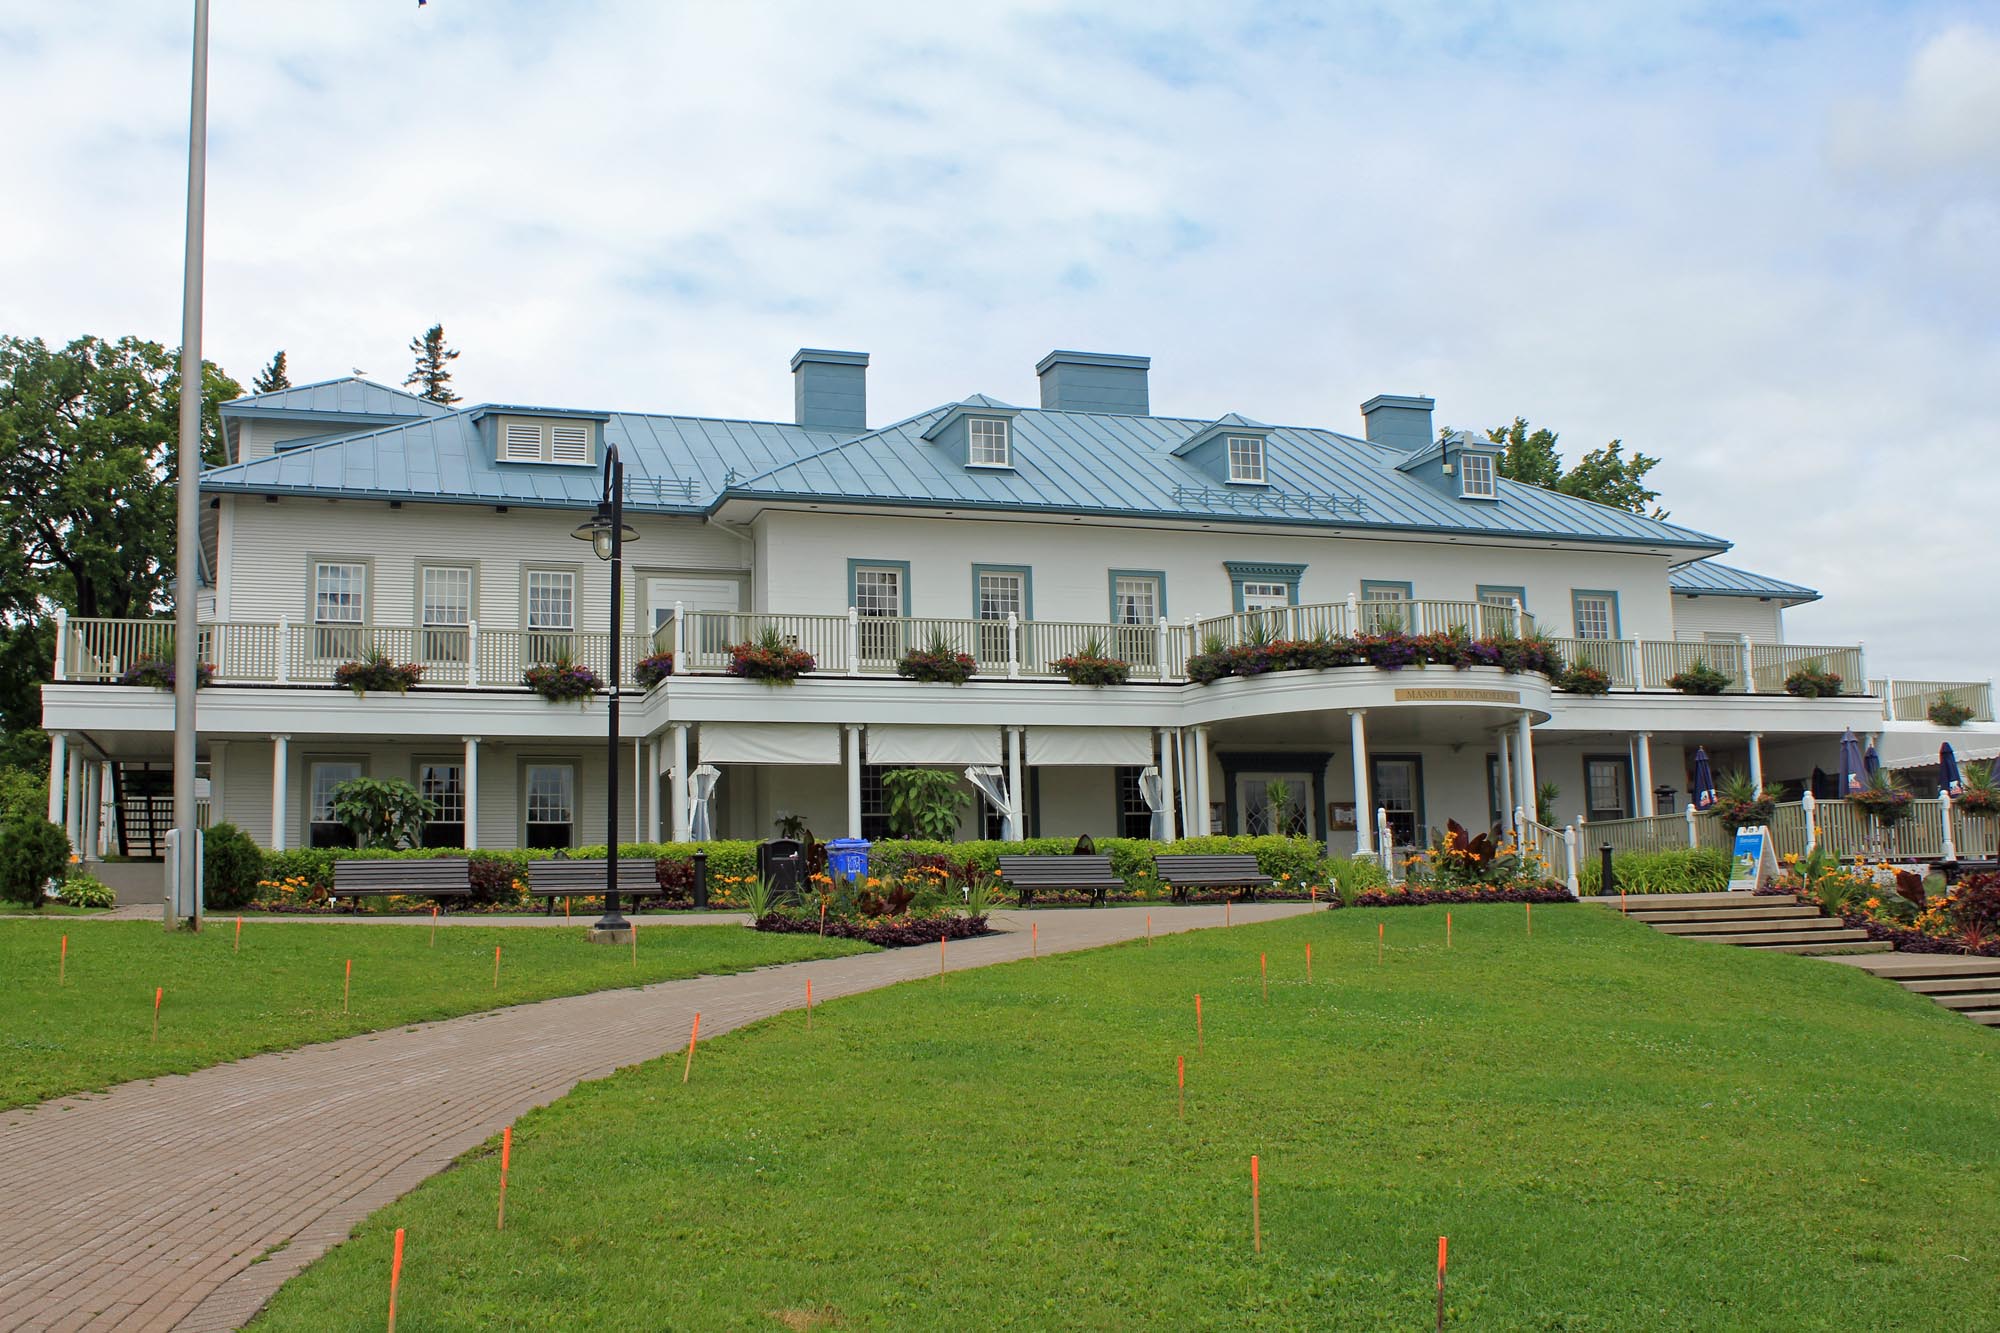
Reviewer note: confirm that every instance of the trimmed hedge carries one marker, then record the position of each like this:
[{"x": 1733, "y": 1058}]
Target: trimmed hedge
[{"x": 1696, "y": 870}]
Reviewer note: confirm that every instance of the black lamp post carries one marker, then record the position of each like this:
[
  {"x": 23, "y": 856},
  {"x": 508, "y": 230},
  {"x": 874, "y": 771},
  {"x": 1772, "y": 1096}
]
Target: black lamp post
[{"x": 607, "y": 534}]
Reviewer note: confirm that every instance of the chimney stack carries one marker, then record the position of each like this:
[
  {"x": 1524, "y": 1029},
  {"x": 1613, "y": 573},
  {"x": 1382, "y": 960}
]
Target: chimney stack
[
  {"x": 1398, "y": 421},
  {"x": 1094, "y": 382},
  {"x": 830, "y": 389}
]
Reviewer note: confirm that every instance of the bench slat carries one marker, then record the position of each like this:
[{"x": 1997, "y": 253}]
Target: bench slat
[{"x": 431, "y": 877}]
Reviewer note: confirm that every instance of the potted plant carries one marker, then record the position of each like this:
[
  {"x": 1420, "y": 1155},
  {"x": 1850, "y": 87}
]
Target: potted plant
[
  {"x": 1701, "y": 678},
  {"x": 1886, "y": 797},
  {"x": 1979, "y": 791},
  {"x": 650, "y": 671},
  {"x": 1582, "y": 678},
  {"x": 1092, "y": 667},
  {"x": 1740, "y": 803},
  {"x": 1811, "y": 680},
  {"x": 158, "y": 672},
  {"x": 772, "y": 659},
  {"x": 1949, "y": 712},
  {"x": 380, "y": 672},
  {"x": 939, "y": 662},
  {"x": 562, "y": 680}
]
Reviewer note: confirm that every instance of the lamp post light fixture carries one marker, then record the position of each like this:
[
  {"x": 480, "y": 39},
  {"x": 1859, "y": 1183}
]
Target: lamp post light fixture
[{"x": 607, "y": 534}]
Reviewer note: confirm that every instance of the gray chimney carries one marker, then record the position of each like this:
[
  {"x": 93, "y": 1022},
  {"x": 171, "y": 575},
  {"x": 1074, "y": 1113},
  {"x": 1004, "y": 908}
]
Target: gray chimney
[
  {"x": 1398, "y": 420},
  {"x": 830, "y": 389},
  {"x": 1094, "y": 382}
]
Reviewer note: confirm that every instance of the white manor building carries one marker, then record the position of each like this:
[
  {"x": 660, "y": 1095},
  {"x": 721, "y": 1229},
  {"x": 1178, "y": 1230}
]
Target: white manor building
[{"x": 355, "y": 518}]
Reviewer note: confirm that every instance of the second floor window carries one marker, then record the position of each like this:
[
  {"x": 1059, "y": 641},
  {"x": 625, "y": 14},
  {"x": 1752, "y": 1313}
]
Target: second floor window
[
  {"x": 987, "y": 443},
  {"x": 445, "y": 610},
  {"x": 1135, "y": 599},
  {"x": 551, "y": 614},
  {"x": 1246, "y": 458},
  {"x": 1002, "y": 593},
  {"x": 340, "y": 605},
  {"x": 1596, "y": 616}
]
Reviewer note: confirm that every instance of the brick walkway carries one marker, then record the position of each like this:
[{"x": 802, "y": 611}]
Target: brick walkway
[{"x": 149, "y": 1206}]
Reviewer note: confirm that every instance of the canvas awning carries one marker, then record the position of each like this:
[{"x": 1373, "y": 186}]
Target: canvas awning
[
  {"x": 769, "y": 743},
  {"x": 933, "y": 745},
  {"x": 1130, "y": 747}
]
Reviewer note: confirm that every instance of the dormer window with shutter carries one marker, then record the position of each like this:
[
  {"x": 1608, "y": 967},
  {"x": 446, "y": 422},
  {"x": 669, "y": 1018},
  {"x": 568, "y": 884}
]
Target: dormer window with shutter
[{"x": 568, "y": 441}]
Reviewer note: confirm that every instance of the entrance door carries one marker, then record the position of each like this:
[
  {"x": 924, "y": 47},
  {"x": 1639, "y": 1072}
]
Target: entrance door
[
  {"x": 1273, "y": 803},
  {"x": 1398, "y": 787},
  {"x": 696, "y": 594},
  {"x": 1607, "y": 787}
]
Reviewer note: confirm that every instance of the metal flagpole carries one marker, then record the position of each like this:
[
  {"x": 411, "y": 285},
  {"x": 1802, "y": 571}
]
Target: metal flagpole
[{"x": 187, "y": 507}]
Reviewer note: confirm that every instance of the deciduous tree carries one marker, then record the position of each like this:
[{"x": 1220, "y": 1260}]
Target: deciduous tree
[{"x": 1604, "y": 475}]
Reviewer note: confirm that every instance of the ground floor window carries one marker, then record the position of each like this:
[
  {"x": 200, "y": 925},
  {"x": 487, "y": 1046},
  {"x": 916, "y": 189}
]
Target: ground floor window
[
  {"x": 1607, "y": 787},
  {"x": 551, "y": 805},
  {"x": 1135, "y": 817},
  {"x": 1497, "y": 802},
  {"x": 874, "y": 802},
  {"x": 1397, "y": 782},
  {"x": 444, "y": 785},
  {"x": 1276, "y": 803},
  {"x": 322, "y": 776}
]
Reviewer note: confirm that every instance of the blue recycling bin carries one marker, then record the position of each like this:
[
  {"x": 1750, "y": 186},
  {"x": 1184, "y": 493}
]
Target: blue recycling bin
[{"x": 847, "y": 858}]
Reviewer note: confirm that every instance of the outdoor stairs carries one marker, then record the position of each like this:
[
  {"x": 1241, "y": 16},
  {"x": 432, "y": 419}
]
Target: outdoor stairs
[
  {"x": 1970, "y": 986},
  {"x": 1777, "y": 922}
]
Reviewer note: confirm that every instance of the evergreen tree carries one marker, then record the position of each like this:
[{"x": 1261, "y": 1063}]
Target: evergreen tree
[
  {"x": 273, "y": 377},
  {"x": 431, "y": 376},
  {"x": 1605, "y": 475}
]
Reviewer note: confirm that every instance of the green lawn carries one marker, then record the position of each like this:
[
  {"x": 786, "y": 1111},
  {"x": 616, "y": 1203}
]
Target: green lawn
[
  {"x": 1618, "y": 1130},
  {"x": 283, "y": 989}
]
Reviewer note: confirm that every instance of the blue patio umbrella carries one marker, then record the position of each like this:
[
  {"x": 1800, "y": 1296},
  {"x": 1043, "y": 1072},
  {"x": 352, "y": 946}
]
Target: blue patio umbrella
[
  {"x": 1704, "y": 780},
  {"x": 1949, "y": 778},
  {"x": 1871, "y": 761},
  {"x": 1850, "y": 762}
]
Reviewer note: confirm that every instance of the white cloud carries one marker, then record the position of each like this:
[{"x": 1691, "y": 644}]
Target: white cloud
[{"x": 1758, "y": 247}]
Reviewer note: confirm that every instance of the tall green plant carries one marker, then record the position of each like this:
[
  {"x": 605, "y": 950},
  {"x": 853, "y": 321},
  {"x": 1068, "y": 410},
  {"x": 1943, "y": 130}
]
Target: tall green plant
[
  {"x": 924, "y": 802},
  {"x": 382, "y": 813},
  {"x": 1278, "y": 794}
]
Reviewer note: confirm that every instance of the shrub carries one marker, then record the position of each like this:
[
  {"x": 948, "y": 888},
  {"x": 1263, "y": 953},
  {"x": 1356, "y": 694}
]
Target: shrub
[
  {"x": 650, "y": 671},
  {"x": 386, "y": 814},
  {"x": 231, "y": 866},
  {"x": 1696, "y": 870},
  {"x": 1811, "y": 680},
  {"x": 22, "y": 792},
  {"x": 771, "y": 659},
  {"x": 33, "y": 854},
  {"x": 378, "y": 672},
  {"x": 562, "y": 680},
  {"x": 1700, "y": 678},
  {"x": 1949, "y": 713},
  {"x": 81, "y": 890},
  {"x": 924, "y": 802}
]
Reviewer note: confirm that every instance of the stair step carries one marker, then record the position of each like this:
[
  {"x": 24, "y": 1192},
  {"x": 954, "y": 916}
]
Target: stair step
[
  {"x": 1775, "y": 939},
  {"x": 1725, "y": 914},
  {"x": 1786, "y": 926},
  {"x": 1974, "y": 1002},
  {"x": 1989, "y": 1017},
  {"x": 1836, "y": 947},
  {"x": 1662, "y": 901},
  {"x": 1951, "y": 985}
]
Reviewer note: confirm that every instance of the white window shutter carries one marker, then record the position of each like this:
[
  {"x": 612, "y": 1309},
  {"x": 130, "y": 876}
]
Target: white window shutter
[
  {"x": 570, "y": 444},
  {"x": 521, "y": 442}
]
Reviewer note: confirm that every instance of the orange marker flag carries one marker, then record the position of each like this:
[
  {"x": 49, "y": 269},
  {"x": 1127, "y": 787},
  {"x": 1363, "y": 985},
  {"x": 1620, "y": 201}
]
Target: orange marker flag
[
  {"x": 434, "y": 926},
  {"x": 346, "y": 984},
  {"x": 822, "y": 918},
  {"x": 1378, "y": 941},
  {"x": 1447, "y": 930},
  {"x": 1531, "y": 918},
  {"x": 940, "y": 961},
  {"x": 158, "y": 991},
  {"x": 1034, "y": 939},
  {"x": 1225, "y": 911},
  {"x": 694, "y": 1034},
  {"x": 1180, "y": 1074},
  {"x": 1309, "y": 965},
  {"x": 1256, "y": 1207},
  {"x": 1264, "y": 967},
  {"x": 1621, "y": 900},
  {"x": 239, "y": 936},
  {"x": 565, "y": 909},
  {"x": 1441, "y": 1251},
  {"x": 506, "y": 1151},
  {"x": 496, "y": 967},
  {"x": 809, "y": 1004},
  {"x": 1200, "y": 1044},
  {"x": 635, "y": 941},
  {"x": 395, "y": 1278},
  {"x": 62, "y": 962},
  {"x": 1149, "y": 930}
]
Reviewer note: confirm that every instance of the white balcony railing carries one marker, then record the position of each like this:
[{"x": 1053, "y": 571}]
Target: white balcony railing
[{"x": 1911, "y": 700}]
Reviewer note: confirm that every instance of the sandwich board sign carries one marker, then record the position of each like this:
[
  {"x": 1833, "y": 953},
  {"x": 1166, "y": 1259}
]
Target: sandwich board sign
[{"x": 1753, "y": 861}]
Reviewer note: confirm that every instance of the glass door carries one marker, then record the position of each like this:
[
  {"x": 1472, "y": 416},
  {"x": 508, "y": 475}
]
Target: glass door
[
  {"x": 1397, "y": 784},
  {"x": 1274, "y": 803}
]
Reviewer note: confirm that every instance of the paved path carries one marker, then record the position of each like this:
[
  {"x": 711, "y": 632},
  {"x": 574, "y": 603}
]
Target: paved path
[
  {"x": 149, "y": 1206},
  {"x": 582, "y": 917}
]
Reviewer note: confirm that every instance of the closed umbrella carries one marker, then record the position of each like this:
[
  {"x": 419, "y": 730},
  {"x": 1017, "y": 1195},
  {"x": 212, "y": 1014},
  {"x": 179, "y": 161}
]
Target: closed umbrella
[
  {"x": 1949, "y": 778},
  {"x": 701, "y": 791},
  {"x": 1850, "y": 763},
  {"x": 1871, "y": 761},
  {"x": 1704, "y": 780}
]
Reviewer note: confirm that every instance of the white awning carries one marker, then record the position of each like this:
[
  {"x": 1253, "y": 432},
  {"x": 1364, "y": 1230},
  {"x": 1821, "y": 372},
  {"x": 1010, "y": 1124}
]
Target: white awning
[
  {"x": 769, "y": 743},
  {"x": 1131, "y": 747},
  {"x": 933, "y": 745}
]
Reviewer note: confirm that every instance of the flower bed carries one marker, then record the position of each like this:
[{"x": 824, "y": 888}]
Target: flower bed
[
  {"x": 380, "y": 673},
  {"x": 1700, "y": 678},
  {"x": 562, "y": 680},
  {"x": 897, "y": 932},
  {"x": 1582, "y": 678},
  {"x": 1389, "y": 651},
  {"x": 1948, "y": 713},
  {"x": 1813, "y": 681},
  {"x": 1416, "y": 895},
  {"x": 937, "y": 663},
  {"x": 1088, "y": 668},
  {"x": 158, "y": 672},
  {"x": 650, "y": 671},
  {"x": 771, "y": 659}
]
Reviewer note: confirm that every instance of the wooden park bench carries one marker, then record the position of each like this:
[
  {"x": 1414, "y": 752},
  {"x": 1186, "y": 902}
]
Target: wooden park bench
[
  {"x": 1088, "y": 874},
  {"x": 562, "y": 878},
  {"x": 1190, "y": 870},
  {"x": 435, "y": 877}
]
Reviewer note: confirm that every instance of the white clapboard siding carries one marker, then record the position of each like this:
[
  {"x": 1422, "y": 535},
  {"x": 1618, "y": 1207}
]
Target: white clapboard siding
[{"x": 1696, "y": 617}]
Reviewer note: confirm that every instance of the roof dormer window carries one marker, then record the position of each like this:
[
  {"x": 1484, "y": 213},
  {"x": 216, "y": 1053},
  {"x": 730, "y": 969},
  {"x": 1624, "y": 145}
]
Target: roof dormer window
[
  {"x": 1246, "y": 459},
  {"x": 531, "y": 440},
  {"x": 1476, "y": 476},
  {"x": 521, "y": 442},
  {"x": 988, "y": 443}
]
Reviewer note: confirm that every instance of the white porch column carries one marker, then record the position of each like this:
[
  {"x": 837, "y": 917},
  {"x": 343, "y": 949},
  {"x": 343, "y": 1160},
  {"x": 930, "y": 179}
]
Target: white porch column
[
  {"x": 1524, "y": 762},
  {"x": 652, "y": 785},
  {"x": 851, "y": 738},
  {"x": 471, "y": 838},
  {"x": 280, "y": 770},
  {"x": 1506, "y": 783},
  {"x": 1645, "y": 749},
  {"x": 1017, "y": 776},
  {"x": 58, "y": 774},
  {"x": 1201, "y": 804},
  {"x": 677, "y": 786},
  {"x": 218, "y": 777},
  {"x": 1364, "y": 805},
  {"x": 1757, "y": 761},
  {"x": 93, "y": 787},
  {"x": 1166, "y": 752},
  {"x": 73, "y": 801}
]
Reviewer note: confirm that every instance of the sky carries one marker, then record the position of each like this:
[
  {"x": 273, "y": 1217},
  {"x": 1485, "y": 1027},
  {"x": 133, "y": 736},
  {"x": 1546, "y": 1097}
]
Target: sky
[{"x": 1761, "y": 241}]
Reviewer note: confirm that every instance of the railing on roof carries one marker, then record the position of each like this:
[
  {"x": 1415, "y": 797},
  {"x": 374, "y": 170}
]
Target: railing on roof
[
  {"x": 1255, "y": 500},
  {"x": 1911, "y": 700},
  {"x": 660, "y": 491}
]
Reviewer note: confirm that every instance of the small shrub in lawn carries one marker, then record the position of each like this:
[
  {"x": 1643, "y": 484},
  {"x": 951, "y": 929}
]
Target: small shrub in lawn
[
  {"x": 231, "y": 866},
  {"x": 33, "y": 855},
  {"x": 81, "y": 890}
]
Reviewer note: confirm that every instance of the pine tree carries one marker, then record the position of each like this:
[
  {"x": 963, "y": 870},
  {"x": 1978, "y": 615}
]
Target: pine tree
[
  {"x": 273, "y": 377},
  {"x": 431, "y": 376}
]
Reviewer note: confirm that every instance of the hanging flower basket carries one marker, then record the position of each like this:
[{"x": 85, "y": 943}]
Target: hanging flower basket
[
  {"x": 1949, "y": 713},
  {"x": 1886, "y": 805},
  {"x": 937, "y": 664},
  {"x": 1701, "y": 678},
  {"x": 380, "y": 673},
  {"x": 1092, "y": 669},
  {"x": 158, "y": 672},
  {"x": 1981, "y": 801},
  {"x": 650, "y": 671},
  {"x": 562, "y": 681},
  {"x": 771, "y": 659},
  {"x": 1583, "y": 679},
  {"x": 1813, "y": 681}
]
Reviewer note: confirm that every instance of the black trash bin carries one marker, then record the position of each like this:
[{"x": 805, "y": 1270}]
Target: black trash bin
[{"x": 781, "y": 863}]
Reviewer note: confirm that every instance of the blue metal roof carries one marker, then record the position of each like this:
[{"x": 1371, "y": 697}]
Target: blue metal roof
[
  {"x": 1066, "y": 462},
  {"x": 1708, "y": 578},
  {"x": 348, "y": 396}
]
